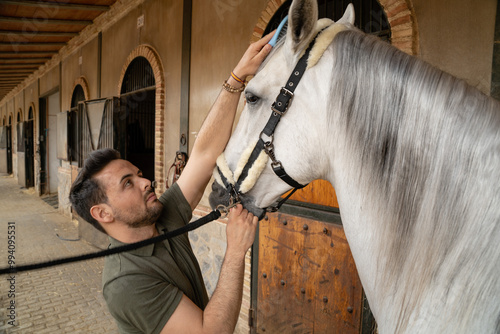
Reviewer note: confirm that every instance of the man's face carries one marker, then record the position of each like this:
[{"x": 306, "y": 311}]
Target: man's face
[{"x": 130, "y": 196}]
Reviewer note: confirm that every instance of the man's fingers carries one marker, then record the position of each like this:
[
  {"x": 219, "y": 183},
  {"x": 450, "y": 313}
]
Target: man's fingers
[
  {"x": 267, "y": 38},
  {"x": 264, "y": 52}
]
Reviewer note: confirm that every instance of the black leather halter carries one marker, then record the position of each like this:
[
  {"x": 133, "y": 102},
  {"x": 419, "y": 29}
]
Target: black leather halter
[{"x": 279, "y": 109}]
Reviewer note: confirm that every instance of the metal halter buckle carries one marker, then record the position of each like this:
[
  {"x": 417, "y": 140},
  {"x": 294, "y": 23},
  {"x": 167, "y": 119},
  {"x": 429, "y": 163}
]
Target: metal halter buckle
[
  {"x": 286, "y": 92},
  {"x": 288, "y": 102}
]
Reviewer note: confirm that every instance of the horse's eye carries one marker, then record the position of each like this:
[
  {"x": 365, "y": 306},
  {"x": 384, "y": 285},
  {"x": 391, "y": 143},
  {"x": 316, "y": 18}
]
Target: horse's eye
[{"x": 251, "y": 99}]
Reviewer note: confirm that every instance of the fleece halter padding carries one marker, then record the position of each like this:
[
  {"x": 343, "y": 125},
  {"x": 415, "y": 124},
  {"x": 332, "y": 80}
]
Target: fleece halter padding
[
  {"x": 327, "y": 30},
  {"x": 250, "y": 173}
]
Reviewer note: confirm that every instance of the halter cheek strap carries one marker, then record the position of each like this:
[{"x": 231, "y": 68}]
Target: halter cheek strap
[{"x": 254, "y": 160}]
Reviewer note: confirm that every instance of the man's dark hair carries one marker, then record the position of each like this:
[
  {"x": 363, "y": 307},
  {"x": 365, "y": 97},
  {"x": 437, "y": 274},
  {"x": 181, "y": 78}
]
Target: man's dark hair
[{"x": 86, "y": 191}]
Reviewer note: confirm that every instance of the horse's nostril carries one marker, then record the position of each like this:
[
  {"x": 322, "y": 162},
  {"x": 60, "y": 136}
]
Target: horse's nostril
[{"x": 218, "y": 195}]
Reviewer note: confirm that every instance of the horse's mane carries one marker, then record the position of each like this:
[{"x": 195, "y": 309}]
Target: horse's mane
[{"x": 428, "y": 150}]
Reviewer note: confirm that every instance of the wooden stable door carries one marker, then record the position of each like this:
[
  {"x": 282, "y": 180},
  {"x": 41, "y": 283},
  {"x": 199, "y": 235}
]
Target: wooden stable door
[{"x": 304, "y": 276}]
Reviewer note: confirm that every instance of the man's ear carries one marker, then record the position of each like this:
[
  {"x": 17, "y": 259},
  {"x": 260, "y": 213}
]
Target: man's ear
[{"x": 102, "y": 213}]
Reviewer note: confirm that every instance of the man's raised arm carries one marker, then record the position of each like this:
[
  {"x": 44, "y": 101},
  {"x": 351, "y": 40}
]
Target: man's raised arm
[{"x": 216, "y": 129}]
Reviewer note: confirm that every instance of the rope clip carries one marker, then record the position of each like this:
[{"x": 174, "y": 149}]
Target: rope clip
[{"x": 224, "y": 210}]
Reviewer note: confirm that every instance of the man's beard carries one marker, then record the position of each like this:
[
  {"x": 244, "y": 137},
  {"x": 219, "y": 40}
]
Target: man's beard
[{"x": 144, "y": 218}]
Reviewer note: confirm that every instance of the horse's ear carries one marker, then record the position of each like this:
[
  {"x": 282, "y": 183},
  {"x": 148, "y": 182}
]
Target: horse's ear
[
  {"x": 348, "y": 16},
  {"x": 302, "y": 17}
]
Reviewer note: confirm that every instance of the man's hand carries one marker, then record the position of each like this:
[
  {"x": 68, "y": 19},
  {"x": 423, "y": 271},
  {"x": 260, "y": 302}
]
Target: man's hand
[
  {"x": 240, "y": 230},
  {"x": 253, "y": 57}
]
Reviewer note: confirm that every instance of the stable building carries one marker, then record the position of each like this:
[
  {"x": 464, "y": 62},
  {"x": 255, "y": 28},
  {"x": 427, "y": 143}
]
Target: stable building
[{"x": 141, "y": 75}]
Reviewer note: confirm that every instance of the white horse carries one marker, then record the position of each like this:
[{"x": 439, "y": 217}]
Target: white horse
[{"x": 414, "y": 156}]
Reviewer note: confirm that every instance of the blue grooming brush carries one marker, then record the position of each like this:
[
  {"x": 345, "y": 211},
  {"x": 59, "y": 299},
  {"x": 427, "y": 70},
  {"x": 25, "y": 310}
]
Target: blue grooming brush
[{"x": 278, "y": 32}]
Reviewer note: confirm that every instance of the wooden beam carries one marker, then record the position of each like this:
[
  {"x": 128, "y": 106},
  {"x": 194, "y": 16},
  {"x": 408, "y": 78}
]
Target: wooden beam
[
  {"x": 22, "y": 66},
  {"x": 16, "y": 44},
  {"x": 14, "y": 75},
  {"x": 12, "y": 19},
  {"x": 19, "y": 60},
  {"x": 39, "y": 33},
  {"x": 20, "y": 71},
  {"x": 26, "y": 53},
  {"x": 22, "y": 58},
  {"x": 73, "y": 6}
]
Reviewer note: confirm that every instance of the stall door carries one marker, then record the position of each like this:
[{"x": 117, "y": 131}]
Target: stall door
[
  {"x": 5, "y": 150},
  {"x": 9, "y": 148},
  {"x": 304, "y": 276},
  {"x": 29, "y": 153}
]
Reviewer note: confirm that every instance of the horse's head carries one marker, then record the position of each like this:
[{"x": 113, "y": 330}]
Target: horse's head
[{"x": 299, "y": 137}]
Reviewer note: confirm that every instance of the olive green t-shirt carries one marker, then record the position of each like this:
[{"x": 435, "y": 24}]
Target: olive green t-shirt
[{"x": 143, "y": 287}]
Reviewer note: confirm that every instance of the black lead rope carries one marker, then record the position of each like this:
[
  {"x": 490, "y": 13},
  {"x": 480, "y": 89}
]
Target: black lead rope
[{"x": 215, "y": 214}]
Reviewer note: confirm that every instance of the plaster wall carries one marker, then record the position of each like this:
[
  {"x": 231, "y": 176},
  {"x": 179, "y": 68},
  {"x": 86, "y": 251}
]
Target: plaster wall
[
  {"x": 117, "y": 43},
  {"x": 221, "y": 33},
  {"x": 18, "y": 105},
  {"x": 31, "y": 100},
  {"x": 162, "y": 30},
  {"x": 457, "y": 36},
  {"x": 49, "y": 81},
  {"x": 72, "y": 70}
]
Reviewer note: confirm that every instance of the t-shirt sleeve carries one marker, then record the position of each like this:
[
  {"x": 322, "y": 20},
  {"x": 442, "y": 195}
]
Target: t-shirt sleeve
[
  {"x": 141, "y": 303},
  {"x": 177, "y": 211}
]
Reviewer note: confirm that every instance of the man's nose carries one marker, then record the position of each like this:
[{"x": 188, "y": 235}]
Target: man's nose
[{"x": 146, "y": 183}]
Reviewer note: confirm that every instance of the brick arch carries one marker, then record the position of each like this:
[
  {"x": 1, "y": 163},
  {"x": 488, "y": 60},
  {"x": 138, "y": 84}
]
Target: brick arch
[
  {"x": 400, "y": 14},
  {"x": 154, "y": 60},
  {"x": 82, "y": 81}
]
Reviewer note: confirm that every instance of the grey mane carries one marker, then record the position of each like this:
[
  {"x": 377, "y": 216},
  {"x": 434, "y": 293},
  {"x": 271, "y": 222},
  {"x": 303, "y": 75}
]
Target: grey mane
[{"x": 428, "y": 149}]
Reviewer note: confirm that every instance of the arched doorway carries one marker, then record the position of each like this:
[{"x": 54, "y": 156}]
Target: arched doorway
[{"x": 136, "y": 129}]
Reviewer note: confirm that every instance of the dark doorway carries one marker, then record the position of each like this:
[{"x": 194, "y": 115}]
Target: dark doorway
[
  {"x": 29, "y": 149},
  {"x": 9, "y": 146},
  {"x": 136, "y": 128},
  {"x": 370, "y": 16},
  {"x": 73, "y": 125},
  {"x": 6, "y": 148},
  {"x": 42, "y": 106}
]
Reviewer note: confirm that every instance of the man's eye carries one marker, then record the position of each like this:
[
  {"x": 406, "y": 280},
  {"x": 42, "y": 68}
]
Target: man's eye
[
  {"x": 128, "y": 183},
  {"x": 251, "y": 99}
]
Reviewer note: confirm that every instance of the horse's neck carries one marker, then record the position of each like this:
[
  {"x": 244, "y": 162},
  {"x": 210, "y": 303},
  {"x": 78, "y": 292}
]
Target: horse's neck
[
  {"x": 411, "y": 287},
  {"x": 418, "y": 230},
  {"x": 360, "y": 226}
]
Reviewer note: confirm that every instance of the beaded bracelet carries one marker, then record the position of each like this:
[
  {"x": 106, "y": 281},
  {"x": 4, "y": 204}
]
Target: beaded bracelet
[
  {"x": 235, "y": 77},
  {"x": 232, "y": 89}
]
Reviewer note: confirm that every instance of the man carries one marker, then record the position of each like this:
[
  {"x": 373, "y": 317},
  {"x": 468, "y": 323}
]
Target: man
[{"x": 159, "y": 288}]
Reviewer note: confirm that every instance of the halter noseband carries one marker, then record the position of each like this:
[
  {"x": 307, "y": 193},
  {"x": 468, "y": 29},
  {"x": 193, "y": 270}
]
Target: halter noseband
[{"x": 254, "y": 161}]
